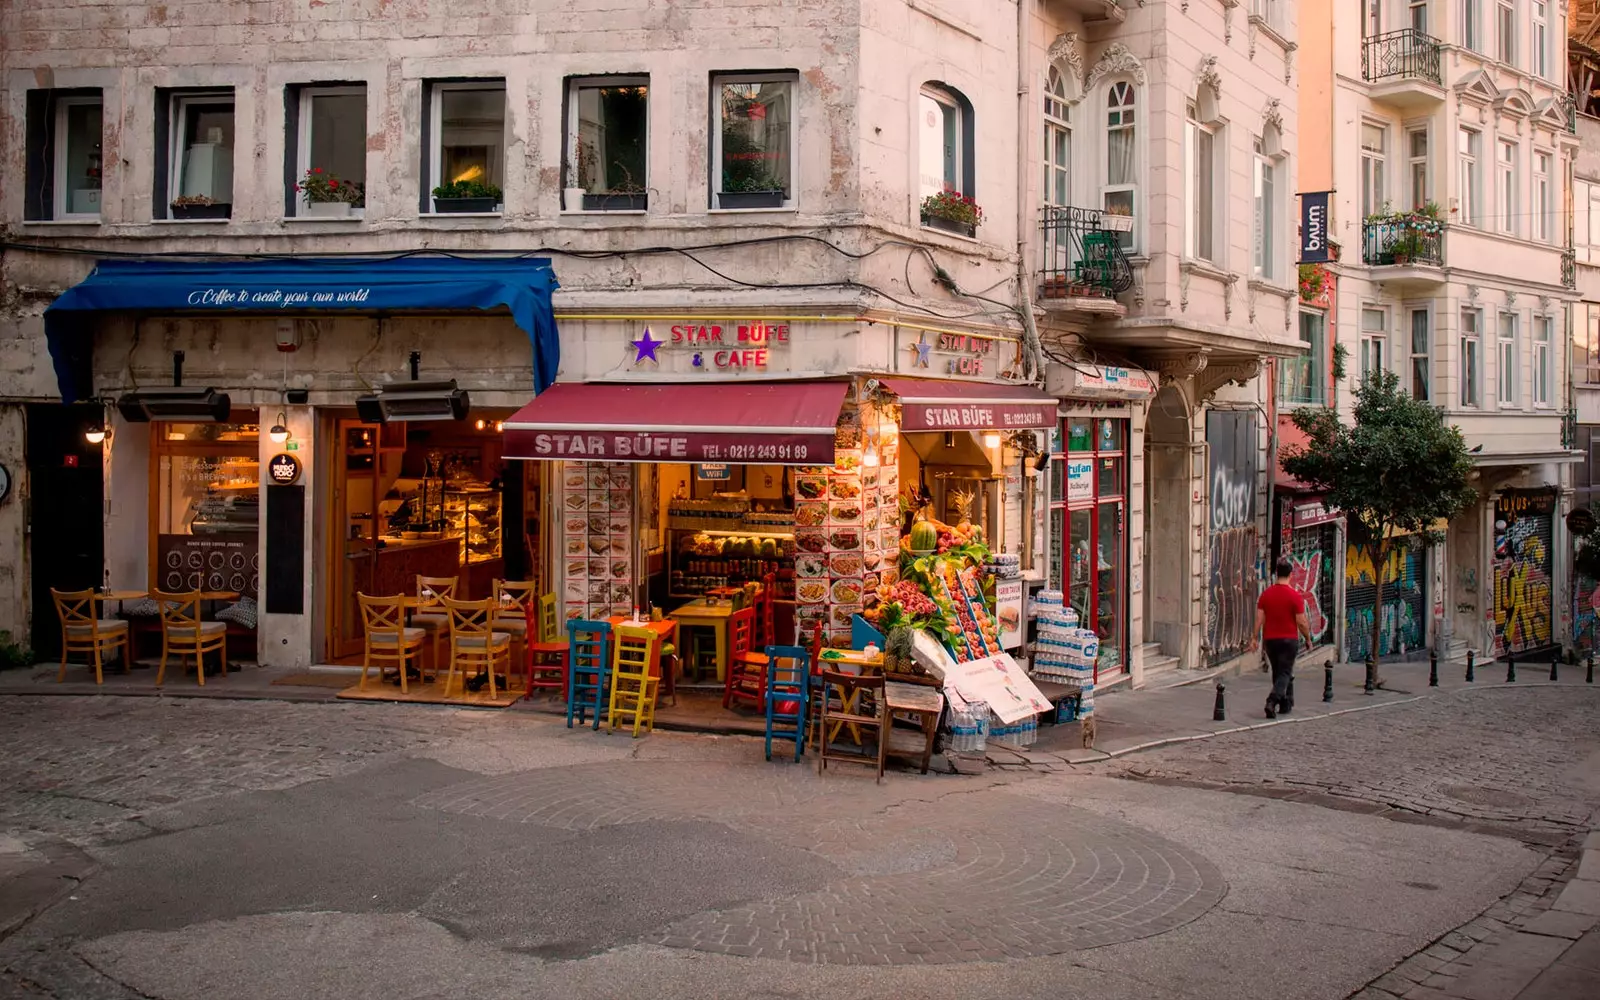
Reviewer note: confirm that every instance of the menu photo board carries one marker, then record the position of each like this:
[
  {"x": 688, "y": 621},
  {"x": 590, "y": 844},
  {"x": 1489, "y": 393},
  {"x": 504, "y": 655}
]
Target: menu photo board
[{"x": 597, "y": 540}]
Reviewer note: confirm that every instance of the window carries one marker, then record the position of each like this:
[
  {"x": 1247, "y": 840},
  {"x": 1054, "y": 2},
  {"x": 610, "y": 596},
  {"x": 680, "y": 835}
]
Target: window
[
  {"x": 1506, "y": 31},
  {"x": 1374, "y": 150},
  {"x": 1468, "y": 181},
  {"x": 63, "y": 155},
  {"x": 1417, "y": 166},
  {"x": 1586, "y": 343},
  {"x": 1089, "y": 542},
  {"x": 1374, "y": 340},
  {"x": 195, "y": 180},
  {"x": 1506, "y": 168},
  {"x": 1471, "y": 25},
  {"x": 1471, "y": 359},
  {"x": 331, "y": 128},
  {"x": 1506, "y": 362},
  {"x": 608, "y": 143},
  {"x": 754, "y": 141},
  {"x": 1421, "y": 338},
  {"x": 946, "y": 150},
  {"x": 1541, "y": 360},
  {"x": 204, "y": 507},
  {"x": 1269, "y": 11},
  {"x": 1541, "y": 39},
  {"x": 1373, "y": 22},
  {"x": 1266, "y": 215},
  {"x": 1057, "y": 140},
  {"x": 466, "y": 144},
  {"x": 1117, "y": 195},
  {"x": 1300, "y": 379},
  {"x": 1543, "y": 204},
  {"x": 1419, "y": 16},
  {"x": 1200, "y": 182}
]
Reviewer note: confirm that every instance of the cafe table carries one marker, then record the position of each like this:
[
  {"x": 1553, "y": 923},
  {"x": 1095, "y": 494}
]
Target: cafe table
[
  {"x": 665, "y": 631},
  {"x": 121, "y": 595},
  {"x": 849, "y": 661},
  {"x": 714, "y": 616},
  {"x": 921, "y": 701}
]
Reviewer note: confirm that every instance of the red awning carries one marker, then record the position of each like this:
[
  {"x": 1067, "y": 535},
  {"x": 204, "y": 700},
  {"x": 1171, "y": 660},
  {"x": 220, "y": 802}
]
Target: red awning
[
  {"x": 766, "y": 423},
  {"x": 933, "y": 405}
]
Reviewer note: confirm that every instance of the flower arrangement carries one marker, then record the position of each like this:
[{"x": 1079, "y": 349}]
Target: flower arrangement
[
  {"x": 467, "y": 189},
  {"x": 321, "y": 187},
  {"x": 952, "y": 206},
  {"x": 1313, "y": 281}
]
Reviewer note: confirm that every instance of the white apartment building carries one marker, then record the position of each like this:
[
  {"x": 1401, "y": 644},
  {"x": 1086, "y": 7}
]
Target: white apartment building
[
  {"x": 1585, "y": 366},
  {"x": 1450, "y": 141}
]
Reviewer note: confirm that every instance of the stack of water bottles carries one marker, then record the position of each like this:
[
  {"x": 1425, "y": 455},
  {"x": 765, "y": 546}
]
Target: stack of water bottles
[
  {"x": 1064, "y": 652},
  {"x": 969, "y": 727},
  {"x": 1004, "y": 566}
]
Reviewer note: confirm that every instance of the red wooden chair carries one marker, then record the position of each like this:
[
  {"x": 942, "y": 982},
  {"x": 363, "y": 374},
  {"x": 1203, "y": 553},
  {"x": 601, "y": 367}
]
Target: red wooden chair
[
  {"x": 546, "y": 654},
  {"x": 764, "y": 605},
  {"x": 747, "y": 669}
]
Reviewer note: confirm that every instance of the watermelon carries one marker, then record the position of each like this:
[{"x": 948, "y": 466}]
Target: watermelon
[{"x": 924, "y": 538}]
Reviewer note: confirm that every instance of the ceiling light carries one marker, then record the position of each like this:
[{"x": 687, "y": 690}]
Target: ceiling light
[
  {"x": 95, "y": 435},
  {"x": 991, "y": 439}
]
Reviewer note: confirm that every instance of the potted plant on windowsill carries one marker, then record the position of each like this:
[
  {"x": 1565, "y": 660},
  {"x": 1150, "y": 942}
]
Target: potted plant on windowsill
[
  {"x": 326, "y": 196},
  {"x": 465, "y": 196},
  {"x": 756, "y": 190},
  {"x": 953, "y": 212},
  {"x": 1116, "y": 219},
  {"x": 626, "y": 195},
  {"x": 199, "y": 206}
]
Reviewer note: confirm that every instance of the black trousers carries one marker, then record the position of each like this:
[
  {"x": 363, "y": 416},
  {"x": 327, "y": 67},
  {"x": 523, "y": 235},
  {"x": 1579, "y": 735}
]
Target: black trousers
[{"x": 1281, "y": 653}]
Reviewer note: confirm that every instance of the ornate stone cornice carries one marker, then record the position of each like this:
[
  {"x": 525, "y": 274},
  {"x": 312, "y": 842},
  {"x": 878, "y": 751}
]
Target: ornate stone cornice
[
  {"x": 1219, "y": 374},
  {"x": 1116, "y": 60},
  {"x": 1177, "y": 367},
  {"x": 1064, "y": 52}
]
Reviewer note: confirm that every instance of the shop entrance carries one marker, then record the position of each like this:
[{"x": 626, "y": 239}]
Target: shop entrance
[
  {"x": 66, "y": 543},
  {"x": 1091, "y": 526}
]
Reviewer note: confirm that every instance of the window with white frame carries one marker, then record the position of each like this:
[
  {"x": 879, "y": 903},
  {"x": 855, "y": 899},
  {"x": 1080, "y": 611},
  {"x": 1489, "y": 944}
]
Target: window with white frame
[
  {"x": 331, "y": 150},
  {"x": 1421, "y": 359},
  {"x": 1419, "y": 15},
  {"x": 63, "y": 148},
  {"x": 1057, "y": 140},
  {"x": 1506, "y": 359},
  {"x": 1118, "y": 196},
  {"x": 1471, "y": 358},
  {"x": 1505, "y": 33},
  {"x": 1540, "y": 63},
  {"x": 1270, "y": 11},
  {"x": 753, "y": 143},
  {"x": 1200, "y": 188},
  {"x": 1418, "y": 188},
  {"x": 1266, "y": 215},
  {"x": 1543, "y": 198},
  {"x": 944, "y": 148},
  {"x": 1472, "y": 24},
  {"x": 465, "y": 165},
  {"x": 1372, "y": 21},
  {"x": 1542, "y": 326},
  {"x": 1506, "y": 193},
  {"x": 1374, "y": 341},
  {"x": 1300, "y": 378},
  {"x": 1374, "y": 153},
  {"x": 1469, "y": 180},
  {"x": 1581, "y": 194},
  {"x": 608, "y": 143},
  {"x": 198, "y": 180}
]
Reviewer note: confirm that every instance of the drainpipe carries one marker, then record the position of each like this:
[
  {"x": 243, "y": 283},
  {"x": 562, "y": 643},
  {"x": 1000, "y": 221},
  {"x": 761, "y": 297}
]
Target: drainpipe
[{"x": 1032, "y": 355}]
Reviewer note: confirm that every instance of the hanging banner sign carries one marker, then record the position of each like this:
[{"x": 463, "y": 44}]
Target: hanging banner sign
[{"x": 1314, "y": 227}]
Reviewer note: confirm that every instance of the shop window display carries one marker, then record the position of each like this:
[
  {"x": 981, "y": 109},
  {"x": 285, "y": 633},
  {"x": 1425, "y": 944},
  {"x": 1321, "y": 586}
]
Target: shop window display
[
  {"x": 1089, "y": 529},
  {"x": 207, "y": 506}
]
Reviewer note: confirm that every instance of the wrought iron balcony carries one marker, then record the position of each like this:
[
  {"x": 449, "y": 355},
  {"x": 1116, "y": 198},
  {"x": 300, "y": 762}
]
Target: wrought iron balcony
[
  {"x": 1569, "y": 268},
  {"x": 1403, "y": 241},
  {"x": 1406, "y": 54},
  {"x": 1081, "y": 257}
]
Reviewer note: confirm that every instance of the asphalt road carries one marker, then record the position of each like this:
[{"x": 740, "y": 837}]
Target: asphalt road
[{"x": 205, "y": 849}]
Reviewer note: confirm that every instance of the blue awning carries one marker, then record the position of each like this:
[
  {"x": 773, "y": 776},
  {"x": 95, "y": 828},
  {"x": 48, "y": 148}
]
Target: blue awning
[{"x": 303, "y": 284}]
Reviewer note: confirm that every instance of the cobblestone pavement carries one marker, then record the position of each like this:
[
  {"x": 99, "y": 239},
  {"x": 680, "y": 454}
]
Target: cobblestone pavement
[{"x": 1525, "y": 762}]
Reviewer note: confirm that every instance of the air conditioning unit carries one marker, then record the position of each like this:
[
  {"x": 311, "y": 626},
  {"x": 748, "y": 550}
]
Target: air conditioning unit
[
  {"x": 403, "y": 401},
  {"x": 202, "y": 405}
]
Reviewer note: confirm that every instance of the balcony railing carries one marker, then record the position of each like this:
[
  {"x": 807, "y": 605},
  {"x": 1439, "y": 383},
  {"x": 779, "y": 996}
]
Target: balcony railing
[
  {"x": 1403, "y": 241},
  {"x": 1569, "y": 268},
  {"x": 1081, "y": 256},
  {"x": 1403, "y": 54}
]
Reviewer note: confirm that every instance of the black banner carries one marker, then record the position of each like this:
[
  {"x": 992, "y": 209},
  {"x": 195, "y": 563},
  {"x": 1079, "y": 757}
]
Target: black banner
[{"x": 1314, "y": 227}]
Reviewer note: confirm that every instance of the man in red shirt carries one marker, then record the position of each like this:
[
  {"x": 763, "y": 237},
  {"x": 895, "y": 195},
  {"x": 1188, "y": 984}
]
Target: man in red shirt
[{"x": 1281, "y": 623}]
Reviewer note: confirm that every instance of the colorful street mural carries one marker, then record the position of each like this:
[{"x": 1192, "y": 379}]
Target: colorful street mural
[
  {"x": 1233, "y": 543},
  {"x": 1310, "y": 570},
  {"x": 1524, "y": 598},
  {"x": 1403, "y": 623},
  {"x": 1586, "y": 613}
]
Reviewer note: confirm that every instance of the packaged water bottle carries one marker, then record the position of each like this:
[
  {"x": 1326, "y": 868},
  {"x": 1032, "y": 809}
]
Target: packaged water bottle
[{"x": 981, "y": 711}]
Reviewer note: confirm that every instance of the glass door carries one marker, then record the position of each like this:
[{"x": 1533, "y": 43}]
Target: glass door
[
  {"x": 353, "y": 541},
  {"x": 1090, "y": 531}
]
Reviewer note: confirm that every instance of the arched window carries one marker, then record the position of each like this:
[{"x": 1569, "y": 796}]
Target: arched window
[
  {"x": 1057, "y": 140},
  {"x": 1119, "y": 193},
  {"x": 945, "y": 143}
]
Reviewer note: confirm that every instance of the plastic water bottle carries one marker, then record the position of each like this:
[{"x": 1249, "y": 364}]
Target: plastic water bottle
[{"x": 980, "y": 712}]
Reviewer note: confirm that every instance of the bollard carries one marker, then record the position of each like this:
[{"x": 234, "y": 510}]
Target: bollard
[
  {"x": 1470, "y": 657},
  {"x": 1219, "y": 714},
  {"x": 1372, "y": 676},
  {"x": 1589, "y": 678},
  {"x": 1511, "y": 667},
  {"x": 1555, "y": 659},
  {"x": 1433, "y": 668},
  {"x": 1327, "y": 681}
]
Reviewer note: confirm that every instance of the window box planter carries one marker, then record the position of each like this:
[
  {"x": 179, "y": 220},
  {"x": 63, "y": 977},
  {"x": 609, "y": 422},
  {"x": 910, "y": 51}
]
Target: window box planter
[
  {"x": 750, "y": 199},
  {"x": 216, "y": 210},
  {"x": 1116, "y": 223},
  {"x": 950, "y": 225},
  {"x": 328, "y": 209},
  {"x": 616, "y": 202},
  {"x": 458, "y": 205}
]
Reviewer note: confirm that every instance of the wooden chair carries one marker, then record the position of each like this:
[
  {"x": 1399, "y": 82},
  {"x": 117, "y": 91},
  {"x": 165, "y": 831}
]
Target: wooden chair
[
  {"x": 852, "y": 690},
  {"x": 635, "y": 677},
  {"x": 82, "y": 631},
  {"x": 475, "y": 643},
  {"x": 787, "y": 681},
  {"x": 766, "y": 617},
  {"x": 747, "y": 668},
  {"x": 383, "y": 620},
  {"x": 431, "y": 615},
  {"x": 588, "y": 669},
  {"x": 183, "y": 633},
  {"x": 545, "y": 650}
]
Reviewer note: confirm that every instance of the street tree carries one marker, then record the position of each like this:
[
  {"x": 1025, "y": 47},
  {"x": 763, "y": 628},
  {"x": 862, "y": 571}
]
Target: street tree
[{"x": 1396, "y": 471}]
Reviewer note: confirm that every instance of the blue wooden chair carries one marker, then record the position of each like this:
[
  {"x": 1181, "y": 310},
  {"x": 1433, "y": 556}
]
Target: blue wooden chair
[
  {"x": 787, "y": 696},
  {"x": 588, "y": 669}
]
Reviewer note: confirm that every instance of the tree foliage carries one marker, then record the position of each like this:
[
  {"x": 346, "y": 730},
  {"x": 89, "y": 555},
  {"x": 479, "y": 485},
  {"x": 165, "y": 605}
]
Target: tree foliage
[{"x": 1395, "y": 471}]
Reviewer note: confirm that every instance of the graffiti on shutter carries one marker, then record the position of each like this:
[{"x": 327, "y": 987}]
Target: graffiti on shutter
[
  {"x": 1311, "y": 552},
  {"x": 1233, "y": 543},
  {"x": 1404, "y": 619},
  {"x": 1524, "y": 600}
]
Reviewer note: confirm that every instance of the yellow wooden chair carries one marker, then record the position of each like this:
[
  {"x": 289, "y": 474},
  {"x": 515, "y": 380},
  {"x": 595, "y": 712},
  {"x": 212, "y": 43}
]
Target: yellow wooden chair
[
  {"x": 635, "y": 678},
  {"x": 388, "y": 638},
  {"x": 474, "y": 643},
  {"x": 82, "y": 631},
  {"x": 431, "y": 615},
  {"x": 184, "y": 634}
]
